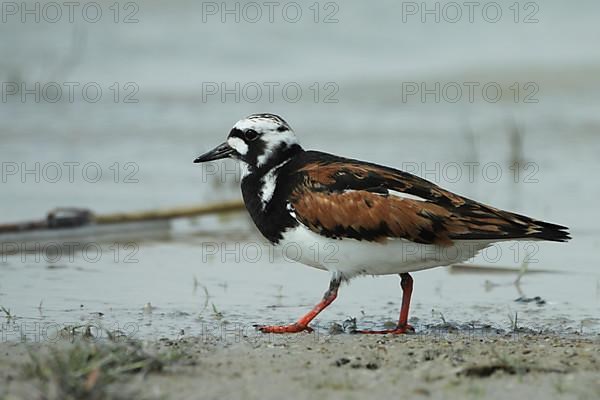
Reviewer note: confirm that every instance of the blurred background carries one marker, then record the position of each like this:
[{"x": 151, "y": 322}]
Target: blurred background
[{"x": 105, "y": 105}]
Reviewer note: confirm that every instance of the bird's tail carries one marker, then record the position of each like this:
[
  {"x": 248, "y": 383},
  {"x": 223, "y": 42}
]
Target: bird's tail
[
  {"x": 547, "y": 231},
  {"x": 489, "y": 223}
]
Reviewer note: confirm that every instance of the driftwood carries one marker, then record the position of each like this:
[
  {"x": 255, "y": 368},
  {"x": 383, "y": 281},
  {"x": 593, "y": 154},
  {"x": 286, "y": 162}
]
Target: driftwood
[
  {"x": 171, "y": 213},
  {"x": 64, "y": 218}
]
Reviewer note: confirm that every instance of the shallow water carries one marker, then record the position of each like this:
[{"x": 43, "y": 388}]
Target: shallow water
[
  {"x": 144, "y": 152},
  {"x": 199, "y": 283}
]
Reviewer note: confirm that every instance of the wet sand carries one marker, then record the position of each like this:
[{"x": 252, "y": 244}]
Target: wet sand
[{"x": 345, "y": 366}]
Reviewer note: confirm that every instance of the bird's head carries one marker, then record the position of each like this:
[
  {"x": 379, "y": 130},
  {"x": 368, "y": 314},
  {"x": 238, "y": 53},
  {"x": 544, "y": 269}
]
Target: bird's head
[{"x": 260, "y": 141}]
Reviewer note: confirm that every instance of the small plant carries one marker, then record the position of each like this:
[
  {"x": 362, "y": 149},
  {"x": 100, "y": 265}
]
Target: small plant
[
  {"x": 514, "y": 322},
  {"x": 7, "y": 313},
  {"x": 85, "y": 370},
  {"x": 217, "y": 314},
  {"x": 207, "y": 296},
  {"x": 443, "y": 319},
  {"x": 523, "y": 270}
]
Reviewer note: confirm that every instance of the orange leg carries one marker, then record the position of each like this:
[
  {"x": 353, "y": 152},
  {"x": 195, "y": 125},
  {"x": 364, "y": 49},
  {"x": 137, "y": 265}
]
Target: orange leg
[
  {"x": 302, "y": 323},
  {"x": 406, "y": 283}
]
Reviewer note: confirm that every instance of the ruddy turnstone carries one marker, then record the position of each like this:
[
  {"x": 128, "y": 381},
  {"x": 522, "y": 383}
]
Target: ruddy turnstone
[{"x": 378, "y": 219}]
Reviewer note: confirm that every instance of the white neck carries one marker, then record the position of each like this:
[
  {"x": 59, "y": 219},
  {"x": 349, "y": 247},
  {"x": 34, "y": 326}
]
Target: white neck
[{"x": 268, "y": 184}]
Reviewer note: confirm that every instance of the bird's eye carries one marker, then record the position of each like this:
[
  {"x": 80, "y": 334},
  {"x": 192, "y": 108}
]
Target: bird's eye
[{"x": 250, "y": 135}]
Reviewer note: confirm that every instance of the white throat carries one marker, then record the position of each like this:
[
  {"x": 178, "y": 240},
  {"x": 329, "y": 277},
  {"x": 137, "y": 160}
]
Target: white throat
[{"x": 268, "y": 183}]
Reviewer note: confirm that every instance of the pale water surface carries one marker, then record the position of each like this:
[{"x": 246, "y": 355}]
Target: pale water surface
[{"x": 369, "y": 56}]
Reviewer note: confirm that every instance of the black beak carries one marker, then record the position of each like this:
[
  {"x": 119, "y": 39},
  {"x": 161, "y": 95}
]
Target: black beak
[{"x": 221, "y": 151}]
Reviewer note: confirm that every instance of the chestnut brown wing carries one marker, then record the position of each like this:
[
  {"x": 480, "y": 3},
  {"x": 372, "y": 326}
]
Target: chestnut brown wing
[{"x": 364, "y": 201}]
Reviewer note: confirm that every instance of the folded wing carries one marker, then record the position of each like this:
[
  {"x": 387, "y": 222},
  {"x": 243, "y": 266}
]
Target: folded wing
[{"x": 348, "y": 198}]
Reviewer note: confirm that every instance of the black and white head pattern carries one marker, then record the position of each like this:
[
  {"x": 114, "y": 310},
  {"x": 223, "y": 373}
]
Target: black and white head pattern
[{"x": 262, "y": 141}]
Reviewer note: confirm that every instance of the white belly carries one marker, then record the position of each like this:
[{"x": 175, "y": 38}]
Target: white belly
[{"x": 350, "y": 257}]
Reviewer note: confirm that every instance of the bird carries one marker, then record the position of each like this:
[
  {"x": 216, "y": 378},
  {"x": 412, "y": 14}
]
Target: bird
[{"x": 353, "y": 218}]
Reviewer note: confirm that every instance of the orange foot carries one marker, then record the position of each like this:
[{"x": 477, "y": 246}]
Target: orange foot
[
  {"x": 293, "y": 328},
  {"x": 397, "y": 331}
]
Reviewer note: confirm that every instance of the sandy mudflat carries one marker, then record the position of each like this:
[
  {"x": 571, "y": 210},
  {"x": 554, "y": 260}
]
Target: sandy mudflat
[{"x": 329, "y": 366}]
